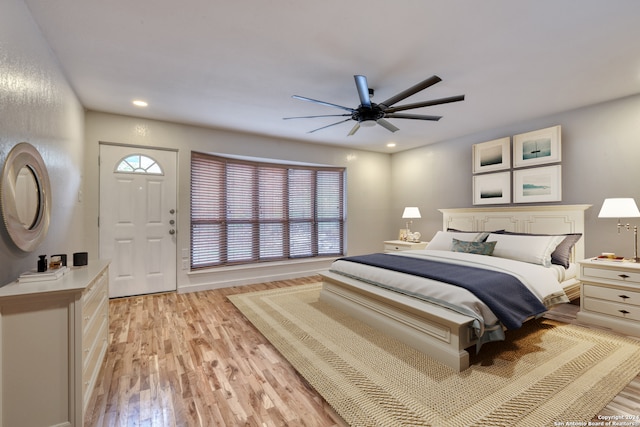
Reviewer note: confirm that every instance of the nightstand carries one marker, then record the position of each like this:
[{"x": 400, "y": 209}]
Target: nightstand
[
  {"x": 401, "y": 245},
  {"x": 610, "y": 295}
]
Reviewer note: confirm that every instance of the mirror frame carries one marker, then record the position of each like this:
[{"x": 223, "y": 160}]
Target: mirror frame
[{"x": 20, "y": 156}]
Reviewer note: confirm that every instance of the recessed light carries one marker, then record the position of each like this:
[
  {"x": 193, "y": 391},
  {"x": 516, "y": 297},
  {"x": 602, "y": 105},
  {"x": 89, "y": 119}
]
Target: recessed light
[
  {"x": 391, "y": 144},
  {"x": 140, "y": 103}
]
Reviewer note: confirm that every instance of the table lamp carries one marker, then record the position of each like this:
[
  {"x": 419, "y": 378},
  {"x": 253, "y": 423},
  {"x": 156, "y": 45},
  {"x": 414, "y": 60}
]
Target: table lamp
[
  {"x": 622, "y": 208},
  {"x": 410, "y": 213}
]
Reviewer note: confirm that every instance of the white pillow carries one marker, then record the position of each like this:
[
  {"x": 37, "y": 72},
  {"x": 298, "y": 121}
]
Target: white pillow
[
  {"x": 443, "y": 240},
  {"x": 531, "y": 249}
]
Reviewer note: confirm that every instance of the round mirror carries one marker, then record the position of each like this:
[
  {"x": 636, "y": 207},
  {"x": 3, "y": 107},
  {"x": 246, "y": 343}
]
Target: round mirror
[{"x": 25, "y": 197}]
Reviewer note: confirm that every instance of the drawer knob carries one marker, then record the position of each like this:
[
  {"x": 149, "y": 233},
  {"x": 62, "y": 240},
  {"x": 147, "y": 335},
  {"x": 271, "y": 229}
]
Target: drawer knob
[
  {"x": 623, "y": 276},
  {"x": 624, "y": 297},
  {"x": 623, "y": 311}
]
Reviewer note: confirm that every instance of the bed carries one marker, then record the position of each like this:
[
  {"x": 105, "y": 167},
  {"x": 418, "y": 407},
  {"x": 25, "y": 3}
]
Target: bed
[{"x": 447, "y": 333}]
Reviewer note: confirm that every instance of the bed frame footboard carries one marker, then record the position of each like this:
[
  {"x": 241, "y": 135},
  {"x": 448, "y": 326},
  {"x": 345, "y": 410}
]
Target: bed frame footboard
[{"x": 436, "y": 331}]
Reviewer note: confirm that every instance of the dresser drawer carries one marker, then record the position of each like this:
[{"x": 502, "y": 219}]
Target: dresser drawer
[
  {"x": 616, "y": 276},
  {"x": 624, "y": 311},
  {"x": 612, "y": 294},
  {"x": 96, "y": 338},
  {"x": 99, "y": 284},
  {"x": 92, "y": 360},
  {"x": 94, "y": 296},
  {"x": 394, "y": 248},
  {"x": 399, "y": 245},
  {"x": 94, "y": 331},
  {"x": 98, "y": 311}
]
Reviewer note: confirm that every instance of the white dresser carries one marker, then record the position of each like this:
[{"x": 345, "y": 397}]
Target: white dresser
[
  {"x": 401, "y": 245},
  {"x": 53, "y": 338},
  {"x": 610, "y": 295}
]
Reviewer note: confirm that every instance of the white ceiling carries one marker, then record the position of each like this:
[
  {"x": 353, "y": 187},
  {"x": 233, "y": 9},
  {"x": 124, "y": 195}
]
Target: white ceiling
[{"x": 236, "y": 64}]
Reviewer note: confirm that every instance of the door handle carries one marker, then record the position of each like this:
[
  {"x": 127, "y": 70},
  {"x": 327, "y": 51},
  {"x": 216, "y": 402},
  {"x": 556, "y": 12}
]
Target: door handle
[
  {"x": 172, "y": 231},
  {"x": 172, "y": 222},
  {"x": 172, "y": 211}
]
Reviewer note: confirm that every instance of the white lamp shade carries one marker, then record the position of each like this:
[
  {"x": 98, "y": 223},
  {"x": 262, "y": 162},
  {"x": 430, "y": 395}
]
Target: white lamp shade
[
  {"x": 411, "y": 212},
  {"x": 619, "y": 208}
]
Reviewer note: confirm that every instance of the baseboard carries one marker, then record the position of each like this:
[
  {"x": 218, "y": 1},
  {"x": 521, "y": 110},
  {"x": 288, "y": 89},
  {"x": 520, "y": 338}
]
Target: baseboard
[{"x": 226, "y": 277}]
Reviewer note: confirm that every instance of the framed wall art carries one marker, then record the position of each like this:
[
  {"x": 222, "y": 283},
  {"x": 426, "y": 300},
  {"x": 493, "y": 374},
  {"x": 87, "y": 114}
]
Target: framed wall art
[
  {"x": 492, "y": 155},
  {"x": 493, "y": 188},
  {"x": 534, "y": 185},
  {"x": 537, "y": 147}
]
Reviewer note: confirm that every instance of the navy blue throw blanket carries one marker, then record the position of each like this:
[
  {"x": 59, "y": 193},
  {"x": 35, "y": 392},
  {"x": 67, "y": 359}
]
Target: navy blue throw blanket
[{"x": 504, "y": 294}]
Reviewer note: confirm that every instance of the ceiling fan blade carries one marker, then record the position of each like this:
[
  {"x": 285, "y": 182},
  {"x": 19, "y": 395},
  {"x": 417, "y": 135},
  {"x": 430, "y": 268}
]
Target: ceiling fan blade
[
  {"x": 313, "y": 117},
  {"x": 412, "y": 116},
  {"x": 328, "y": 104},
  {"x": 425, "y": 104},
  {"x": 412, "y": 90},
  {"x": 363, "y": 90},
  {"x": 354, "y": 129},
  {"x": 387, "y": 125},
  {"x": 332, "y": 124}
]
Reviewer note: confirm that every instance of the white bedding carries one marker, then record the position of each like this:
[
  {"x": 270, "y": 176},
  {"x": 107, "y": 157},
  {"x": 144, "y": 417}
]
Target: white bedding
[
  {"x": 543, "y": 282},
  {"x": 566, "y": 274}
]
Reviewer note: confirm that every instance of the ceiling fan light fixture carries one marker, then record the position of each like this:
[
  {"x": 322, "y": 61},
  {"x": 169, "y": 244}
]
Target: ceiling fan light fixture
[{"x": 368, "y": 113}]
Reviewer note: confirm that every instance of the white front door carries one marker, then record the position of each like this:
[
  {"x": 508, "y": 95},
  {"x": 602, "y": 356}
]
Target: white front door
[{"x": 138, "y": 219}]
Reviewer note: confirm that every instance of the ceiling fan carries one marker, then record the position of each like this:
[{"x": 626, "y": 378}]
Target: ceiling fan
[{"x": 369, "y": 113}]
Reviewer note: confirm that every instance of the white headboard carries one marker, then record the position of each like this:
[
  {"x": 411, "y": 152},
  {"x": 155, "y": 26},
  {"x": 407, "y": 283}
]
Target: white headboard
[{"x": 551, "y": 219}]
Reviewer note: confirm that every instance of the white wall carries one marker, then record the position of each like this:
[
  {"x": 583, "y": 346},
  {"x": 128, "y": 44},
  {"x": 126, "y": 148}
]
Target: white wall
[
  {"x": 368, "y": 186},
  {"x": 600, "y": 159},
  {"x": 38, "y": 106}
]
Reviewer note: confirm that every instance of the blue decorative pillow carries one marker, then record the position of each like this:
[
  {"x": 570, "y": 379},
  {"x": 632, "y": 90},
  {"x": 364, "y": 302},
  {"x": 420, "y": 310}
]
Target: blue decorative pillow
[{"x": 479, "y": 248}]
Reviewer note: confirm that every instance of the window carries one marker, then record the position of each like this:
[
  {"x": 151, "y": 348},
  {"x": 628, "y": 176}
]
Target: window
[
  {"x": 138, "y": 163},
  {"x": 245, "y": 212}
]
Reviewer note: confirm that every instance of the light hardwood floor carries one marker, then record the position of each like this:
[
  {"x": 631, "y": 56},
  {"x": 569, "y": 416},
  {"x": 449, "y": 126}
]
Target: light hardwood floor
[{"x": 194, "y": 360}]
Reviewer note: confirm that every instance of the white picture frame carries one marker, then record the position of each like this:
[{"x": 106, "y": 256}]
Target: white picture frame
[
  {"x": 491, "y": 156},
  {"x": 535, "y": 185},
  {"x": 538, "y": 147},
  {"x": 492, "y": 189}
]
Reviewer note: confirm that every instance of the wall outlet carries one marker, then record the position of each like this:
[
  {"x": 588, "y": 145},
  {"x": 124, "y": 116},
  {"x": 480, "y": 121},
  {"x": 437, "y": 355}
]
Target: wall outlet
[{"x": 185, "y": 264}]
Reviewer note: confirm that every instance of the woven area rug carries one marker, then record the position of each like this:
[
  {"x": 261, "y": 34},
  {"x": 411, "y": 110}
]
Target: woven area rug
[{"x": 544, "y": 374}]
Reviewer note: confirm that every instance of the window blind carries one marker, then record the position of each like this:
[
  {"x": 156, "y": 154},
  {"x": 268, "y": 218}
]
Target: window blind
[{"x": 246, "y": 212}]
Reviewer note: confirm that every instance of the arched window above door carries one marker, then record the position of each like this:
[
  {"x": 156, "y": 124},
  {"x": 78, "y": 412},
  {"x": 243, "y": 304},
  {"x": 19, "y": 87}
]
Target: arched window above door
[{"x": 139, "y": 163}]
